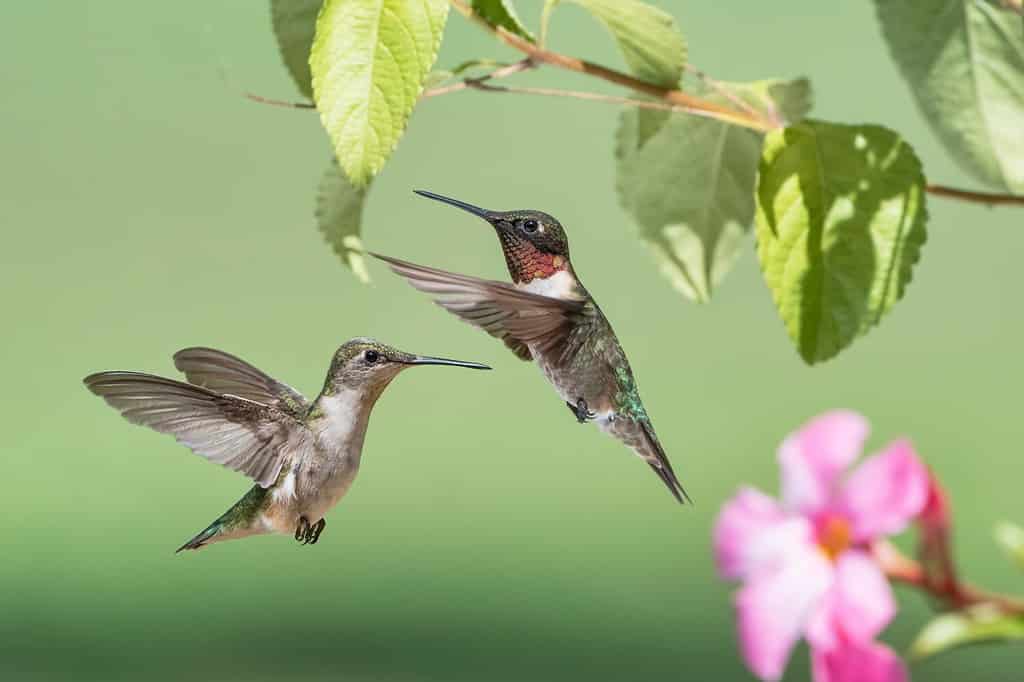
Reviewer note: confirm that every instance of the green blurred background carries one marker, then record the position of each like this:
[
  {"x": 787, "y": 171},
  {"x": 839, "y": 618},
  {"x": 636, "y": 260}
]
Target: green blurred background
[{"x": 147, "y": 206}]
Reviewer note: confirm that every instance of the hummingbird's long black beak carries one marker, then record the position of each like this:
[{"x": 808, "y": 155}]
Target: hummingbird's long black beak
[
  {"x": 429, "y": 360},
  {"x": 475, "y": 210}
]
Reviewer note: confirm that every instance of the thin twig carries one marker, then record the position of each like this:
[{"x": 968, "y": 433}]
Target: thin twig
[
  {"x": 690, "y": 103},
  {"x": 666, "y": 99},
  {"x": 508, "y": 70},
  {"x": 673, "y": 100},
  {"x": 725, "y": 92},
  {"x": 278, "y": 102},
  {"x": 591, "y": 96},
  {"x": 902, "y": 569},
  {"x": 977, "y": 197}
]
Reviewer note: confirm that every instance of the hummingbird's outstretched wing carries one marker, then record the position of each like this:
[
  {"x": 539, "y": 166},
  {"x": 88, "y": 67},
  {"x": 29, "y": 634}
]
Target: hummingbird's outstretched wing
[
  {"x": 518, "y": 318},
  {"x": 243, "y": 435},
  {"x": 226, "y": 374}
]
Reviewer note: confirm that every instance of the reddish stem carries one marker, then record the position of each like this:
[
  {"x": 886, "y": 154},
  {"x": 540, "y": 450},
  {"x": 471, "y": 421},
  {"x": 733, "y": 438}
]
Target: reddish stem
[
  {"x": 956, "y": 594},
  {"x": 989, "y": 198}
]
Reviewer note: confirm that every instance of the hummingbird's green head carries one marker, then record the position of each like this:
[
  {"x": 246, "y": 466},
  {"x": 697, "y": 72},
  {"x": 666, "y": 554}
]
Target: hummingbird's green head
[
  {"x": 366, "y": 363},
  {"x": 534, "y": 242}
]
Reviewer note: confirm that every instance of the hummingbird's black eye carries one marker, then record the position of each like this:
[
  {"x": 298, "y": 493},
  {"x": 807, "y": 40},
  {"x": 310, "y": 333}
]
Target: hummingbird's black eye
[
  {"x": 530, "y": 225},
  {"x": 371, "y": 356}
]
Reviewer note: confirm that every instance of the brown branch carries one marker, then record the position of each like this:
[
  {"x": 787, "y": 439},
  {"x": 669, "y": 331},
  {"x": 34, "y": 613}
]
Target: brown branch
[
  {"x": 686, "y": 102},
  {"x": 902, "y": 569},
  {"x": 988, "y": 198},
  {"x": 591, "y": 96},
  {"x": 666, "y": 99},
  {"x": 725, "y": 92}
]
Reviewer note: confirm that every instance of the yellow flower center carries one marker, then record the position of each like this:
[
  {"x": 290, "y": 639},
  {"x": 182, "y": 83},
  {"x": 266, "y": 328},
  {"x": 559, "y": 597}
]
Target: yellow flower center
[{"x": 834, "y": 536}]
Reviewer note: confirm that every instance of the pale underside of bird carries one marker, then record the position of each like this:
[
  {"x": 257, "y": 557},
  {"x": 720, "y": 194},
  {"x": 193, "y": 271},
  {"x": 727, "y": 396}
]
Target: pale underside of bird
[{"x": 303, "y": 455}]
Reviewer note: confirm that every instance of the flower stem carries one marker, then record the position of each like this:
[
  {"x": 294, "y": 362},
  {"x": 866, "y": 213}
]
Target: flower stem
[{"x": 902, "y": 569}]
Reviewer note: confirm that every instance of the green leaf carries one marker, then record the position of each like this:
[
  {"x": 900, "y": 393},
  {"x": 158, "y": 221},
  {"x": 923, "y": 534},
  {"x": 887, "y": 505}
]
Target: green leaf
[
  {"x": 339, "y": 215},
  {"x": 648, "y": 37},
  {"x": 785, "y": 101},
  {"x": 964, "y": 62},
  {"x": 369, "y": 62},
  {"x": 981, "y": 624},
  {"x": 1011, "y": 538},
  {"x": 689, "y": 184},
  {"x": 840, "y": 224},
  {"x": 294, "y": 23},
  {"x": 502, "y": 13}
]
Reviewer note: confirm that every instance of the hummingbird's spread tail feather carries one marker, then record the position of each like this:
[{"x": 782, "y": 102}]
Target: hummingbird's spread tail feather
[
  {"x": 202, "y": 537},
  {"x": 658, "y": 461},
  {"x": 236, "y": 522}
]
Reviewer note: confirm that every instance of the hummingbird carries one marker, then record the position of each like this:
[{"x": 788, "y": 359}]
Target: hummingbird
[
  {"x": 302, "y": 455},
  {"x": 547, "y": 316}
]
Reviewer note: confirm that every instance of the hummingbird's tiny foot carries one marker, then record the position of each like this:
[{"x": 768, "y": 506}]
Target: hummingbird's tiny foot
[
  {"x": 316, "y": 530},
  {"x": 582, "y": 412},
  {"x": 302, "y": 530}
]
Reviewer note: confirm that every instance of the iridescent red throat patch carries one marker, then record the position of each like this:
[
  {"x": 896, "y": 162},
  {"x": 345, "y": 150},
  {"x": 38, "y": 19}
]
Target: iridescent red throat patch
[{"x": 527, "y": 263}]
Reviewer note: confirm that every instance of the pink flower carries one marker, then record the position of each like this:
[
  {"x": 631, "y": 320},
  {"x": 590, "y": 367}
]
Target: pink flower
[{"x": 804, "y": 562}]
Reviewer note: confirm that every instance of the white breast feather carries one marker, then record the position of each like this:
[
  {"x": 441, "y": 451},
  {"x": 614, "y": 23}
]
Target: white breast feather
[
  {"x": 286, "y": 490},
  {"x": 339, "y": 415},
  {"x": 560, "y": 285}
]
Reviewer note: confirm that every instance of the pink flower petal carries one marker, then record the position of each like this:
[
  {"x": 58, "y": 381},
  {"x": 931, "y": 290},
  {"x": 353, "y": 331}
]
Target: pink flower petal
[
  {"x": 813, "y": 458},
  {"x": 773, "y": 607},
  {"x": 857, "y": 662},
  {"x": 885, "y": 492},
  {"x": 752, "y": 533},
  {"x": 858, "y": 606}
]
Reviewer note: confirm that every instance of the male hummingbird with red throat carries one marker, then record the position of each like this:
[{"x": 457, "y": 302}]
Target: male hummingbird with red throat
[{"x": 546, "y": 315}]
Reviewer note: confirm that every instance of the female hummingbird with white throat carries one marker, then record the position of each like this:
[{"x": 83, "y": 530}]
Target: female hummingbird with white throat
[{"x": 304, "y": 456}]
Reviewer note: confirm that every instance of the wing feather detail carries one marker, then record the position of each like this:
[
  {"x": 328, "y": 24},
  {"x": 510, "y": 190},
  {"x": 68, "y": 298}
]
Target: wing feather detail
[
  {"x": 226, "y": 374},
  {"x": 241, "y": 434},
  {"x": 519, "y": 318}
]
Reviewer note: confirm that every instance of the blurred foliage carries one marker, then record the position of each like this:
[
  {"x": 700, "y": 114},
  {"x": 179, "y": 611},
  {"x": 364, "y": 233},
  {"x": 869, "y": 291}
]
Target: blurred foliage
[
  {"x": 648, "y": 37},
  {"x": 294, "y": 24},
  {"x": 698, "y": 228},
  {"x": 977, "y": 625},
  {"x": 502, "y": 13},
  {"x": 964, "y": 63},
  {"x": 1011, "y": 538},
  {"x": 339, "y": 214}
]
